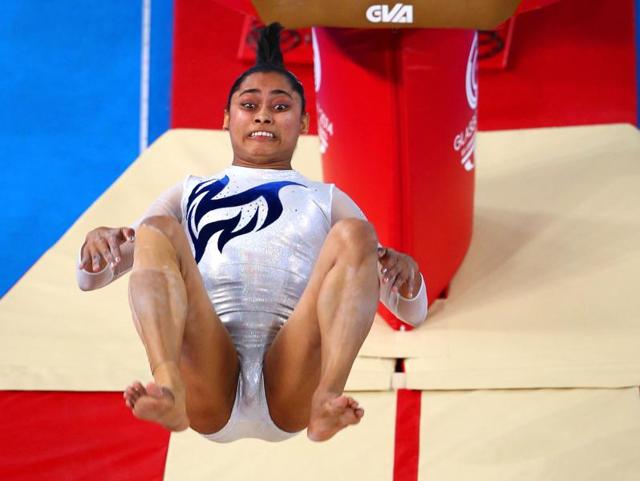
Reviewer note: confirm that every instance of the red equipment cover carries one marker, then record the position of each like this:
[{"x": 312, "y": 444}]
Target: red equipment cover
[
  {"x": 397, "y": 123},
  {"x": 243, "y": 6},
  {"x": 77, "y": 436},
  {"x": 528, "y": 5}
]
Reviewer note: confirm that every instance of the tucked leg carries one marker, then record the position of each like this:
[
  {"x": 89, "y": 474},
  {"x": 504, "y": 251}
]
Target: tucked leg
[
  {"x": 192, "y": 358},
  {"x": 307, "y": 366}
]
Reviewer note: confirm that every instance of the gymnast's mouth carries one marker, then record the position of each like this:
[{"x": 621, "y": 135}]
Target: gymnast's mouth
[{"x": 262, "y": 135}]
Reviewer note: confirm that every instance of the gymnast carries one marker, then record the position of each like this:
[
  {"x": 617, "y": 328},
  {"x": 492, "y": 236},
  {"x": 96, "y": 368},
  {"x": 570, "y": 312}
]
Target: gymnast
[{"x": 253, "y": 289}]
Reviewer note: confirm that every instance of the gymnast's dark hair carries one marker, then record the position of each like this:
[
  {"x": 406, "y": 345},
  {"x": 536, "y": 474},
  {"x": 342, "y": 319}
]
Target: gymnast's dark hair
[{"x": 269, "y": 59}]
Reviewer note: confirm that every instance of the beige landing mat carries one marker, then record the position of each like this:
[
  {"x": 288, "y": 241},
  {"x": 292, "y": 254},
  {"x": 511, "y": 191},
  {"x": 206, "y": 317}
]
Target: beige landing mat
[
  {"x": 362, "y": 452},
  {"x": 547, "y": 295},
  {"x": 54, "y": 336},
  {"x": 541, "y": 435}
]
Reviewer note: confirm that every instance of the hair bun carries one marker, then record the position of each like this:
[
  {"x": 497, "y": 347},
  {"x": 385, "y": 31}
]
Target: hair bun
[{"x": 268, "y": 48}]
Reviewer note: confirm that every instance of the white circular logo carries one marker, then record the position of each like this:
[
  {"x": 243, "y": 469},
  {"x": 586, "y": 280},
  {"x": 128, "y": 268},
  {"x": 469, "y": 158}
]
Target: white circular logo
[
  {"x": 471, "y": 77},
  {"x": 317, "y": 68}
]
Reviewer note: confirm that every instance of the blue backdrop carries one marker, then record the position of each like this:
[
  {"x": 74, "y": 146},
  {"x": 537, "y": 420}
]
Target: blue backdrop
[{"x": 70, "y": 117}]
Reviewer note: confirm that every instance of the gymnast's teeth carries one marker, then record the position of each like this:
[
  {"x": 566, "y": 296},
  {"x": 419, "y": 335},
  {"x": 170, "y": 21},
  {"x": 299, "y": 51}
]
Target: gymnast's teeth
[{"x": 261, "y": 133}]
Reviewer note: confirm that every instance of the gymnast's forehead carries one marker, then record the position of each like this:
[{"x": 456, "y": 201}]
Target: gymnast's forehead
[{"x": 266, "y": 84}]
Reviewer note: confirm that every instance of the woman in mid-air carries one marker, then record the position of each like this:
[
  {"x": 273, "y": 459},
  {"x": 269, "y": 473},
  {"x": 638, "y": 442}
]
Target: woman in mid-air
[{"x": 253, "y": 289}]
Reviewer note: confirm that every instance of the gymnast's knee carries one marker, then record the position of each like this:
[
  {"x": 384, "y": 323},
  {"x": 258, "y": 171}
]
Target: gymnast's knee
[
  {"x": 167, "y": 225},
  {"x": 176, "y": 246},
  {"x": 164, "y": 223},
  {"x": 356, "y": 236}
]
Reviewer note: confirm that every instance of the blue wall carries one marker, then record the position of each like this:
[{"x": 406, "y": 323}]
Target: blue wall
[
  {"x": 69, "y": 122},
  {"x": 161, "y": 68}
]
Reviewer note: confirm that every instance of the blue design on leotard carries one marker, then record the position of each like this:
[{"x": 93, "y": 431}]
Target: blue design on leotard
[{"x": 196, "y": 209}]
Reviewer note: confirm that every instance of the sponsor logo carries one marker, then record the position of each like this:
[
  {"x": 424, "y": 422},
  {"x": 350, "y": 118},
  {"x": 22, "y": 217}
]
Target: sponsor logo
[
  {"x": 465, "y": 143},
  {"x": 325, "y": 126},
  {"x": 399, "y": 13},
  {"x": 317, "y": 66},
  {"x": 325, "y": 130},
  {"x": 471, "y": 81}
]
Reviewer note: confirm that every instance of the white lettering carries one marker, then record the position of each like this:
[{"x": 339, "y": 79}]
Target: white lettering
[
  {"x": 399, "y": 13},
  {"x": 466, "y": 160},
  {"x": 389, "y": 16},
  {"x": 374, "y": 13},
  {"x": 465, "y": 143},
  {"x": 317, "y": 64},
  {"x": 405, "y": 15},
  {"x": 471, "y": 78},
  {"x": 463, "y": 137},
  {"x": 325, "y": 130}
]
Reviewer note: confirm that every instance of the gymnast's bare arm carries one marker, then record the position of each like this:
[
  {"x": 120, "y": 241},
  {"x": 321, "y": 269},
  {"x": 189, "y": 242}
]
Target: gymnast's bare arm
[{"x": 107, "y": 252}]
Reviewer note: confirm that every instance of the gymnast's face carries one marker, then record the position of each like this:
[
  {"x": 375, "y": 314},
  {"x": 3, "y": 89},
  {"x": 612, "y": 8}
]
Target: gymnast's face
[{"x": 264, "y": 121}]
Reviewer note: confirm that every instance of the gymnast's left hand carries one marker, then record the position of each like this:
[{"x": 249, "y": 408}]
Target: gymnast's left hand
[{"x": 400, "y": 271}]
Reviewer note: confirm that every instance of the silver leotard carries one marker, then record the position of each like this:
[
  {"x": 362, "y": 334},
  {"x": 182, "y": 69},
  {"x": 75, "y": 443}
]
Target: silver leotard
[{"x": 255, "y": 234}]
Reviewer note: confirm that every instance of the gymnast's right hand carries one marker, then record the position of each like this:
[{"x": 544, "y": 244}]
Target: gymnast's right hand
[{"x": 102, "y": 246}]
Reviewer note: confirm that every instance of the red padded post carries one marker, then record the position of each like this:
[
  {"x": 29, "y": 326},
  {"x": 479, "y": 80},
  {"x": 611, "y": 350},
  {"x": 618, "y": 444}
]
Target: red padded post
[{"x": 397, "y": 124}]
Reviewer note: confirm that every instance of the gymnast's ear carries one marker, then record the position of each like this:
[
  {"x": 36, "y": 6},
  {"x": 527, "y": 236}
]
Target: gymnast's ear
[
  {"x": 225, "y": 121},
  {"x": 304, "y": 123}
]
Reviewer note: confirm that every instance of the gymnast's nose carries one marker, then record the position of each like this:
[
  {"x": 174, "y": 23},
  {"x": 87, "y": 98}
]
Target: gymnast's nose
[{"x": 263, "y": 116}]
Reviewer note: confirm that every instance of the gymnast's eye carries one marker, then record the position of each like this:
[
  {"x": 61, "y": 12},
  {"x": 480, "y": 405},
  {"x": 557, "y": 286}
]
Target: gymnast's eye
[
  {"x": 281, "y": 107},
  {"x": 248, "y": 105}
]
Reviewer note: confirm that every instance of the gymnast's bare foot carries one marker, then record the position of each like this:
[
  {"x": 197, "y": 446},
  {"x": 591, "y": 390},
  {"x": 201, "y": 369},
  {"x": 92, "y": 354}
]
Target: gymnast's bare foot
[
  {"x": 331, "y": 413},
  {"x": 159, "y": 404}
]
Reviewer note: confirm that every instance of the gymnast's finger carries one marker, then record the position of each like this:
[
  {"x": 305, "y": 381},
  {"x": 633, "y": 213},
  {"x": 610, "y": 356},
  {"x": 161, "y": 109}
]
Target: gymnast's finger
[
  {"x": 390, "y": 270},
  {"x": 405, "y": 287},
  {"x": 399, "y": 281},
  {"x": 412, "y": 284},
  {"x": 385, "y": 262},
  {"x": 128, "y": 233},
  {"x": 392, "y": 280},
  {"x": 85, "y": 257},
  {"x": 94, "y": 257},
  {"x": 114, "y": 250},
  {"x": 393, "y": 271},
  {"x": 103, "y": 248}
]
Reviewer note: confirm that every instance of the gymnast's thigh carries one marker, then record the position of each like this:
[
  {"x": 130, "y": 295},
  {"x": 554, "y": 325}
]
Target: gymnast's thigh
[
  {"x": 209, "y": 362},
  {"x": 292, "y": 363}
]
